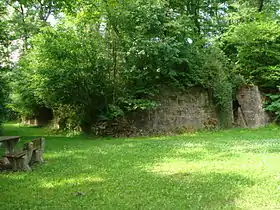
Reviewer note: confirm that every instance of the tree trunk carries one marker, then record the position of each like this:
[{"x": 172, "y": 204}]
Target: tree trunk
[{"x": 261, "y": 4}]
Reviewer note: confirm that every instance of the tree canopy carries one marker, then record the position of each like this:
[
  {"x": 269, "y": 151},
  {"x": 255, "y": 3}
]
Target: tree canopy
[{"x": 104, "y": 59}]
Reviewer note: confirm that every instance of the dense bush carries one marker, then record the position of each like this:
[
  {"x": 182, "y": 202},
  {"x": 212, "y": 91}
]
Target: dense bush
[
  {"x": 3, "y": 98},
  {"x": 273, "y": 105}
]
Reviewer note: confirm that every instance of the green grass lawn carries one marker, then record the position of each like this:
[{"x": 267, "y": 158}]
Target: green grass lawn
[{"x": 234, "y": 169}]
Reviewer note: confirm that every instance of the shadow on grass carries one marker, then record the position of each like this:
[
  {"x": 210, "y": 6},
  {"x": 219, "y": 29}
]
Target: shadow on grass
[
  {"x": 204, "y": 190},
  {"x": 129, "y": 190}
]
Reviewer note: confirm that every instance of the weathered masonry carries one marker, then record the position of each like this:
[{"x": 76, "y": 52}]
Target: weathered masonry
[{"x": 195, "y": 109}]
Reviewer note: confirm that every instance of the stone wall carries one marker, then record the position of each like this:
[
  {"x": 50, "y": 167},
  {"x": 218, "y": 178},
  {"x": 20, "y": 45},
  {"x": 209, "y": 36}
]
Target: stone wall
[
  {"x": 249, "y": 108},
  {"x": 29, "y": 121},
  {"x": 193, "y": 109},
  {"x": 44, "y": 116}
]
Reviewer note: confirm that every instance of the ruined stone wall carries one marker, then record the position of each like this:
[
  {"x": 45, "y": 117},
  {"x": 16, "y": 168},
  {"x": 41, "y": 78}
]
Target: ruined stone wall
[
  {"x": 193, "y": 109},
  {"x": 43, "y": 117},
  {"x": 250, "y": 112}
]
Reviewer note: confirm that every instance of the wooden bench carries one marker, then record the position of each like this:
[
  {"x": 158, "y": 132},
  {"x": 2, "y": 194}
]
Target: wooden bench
[
  {"x": 32, "y": 153},
  {"x": 19, "y": 161}
]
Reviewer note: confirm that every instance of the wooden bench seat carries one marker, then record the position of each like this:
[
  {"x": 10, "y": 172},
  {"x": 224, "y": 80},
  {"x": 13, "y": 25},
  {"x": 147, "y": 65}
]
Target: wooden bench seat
[{"x": 16, "y": 154}]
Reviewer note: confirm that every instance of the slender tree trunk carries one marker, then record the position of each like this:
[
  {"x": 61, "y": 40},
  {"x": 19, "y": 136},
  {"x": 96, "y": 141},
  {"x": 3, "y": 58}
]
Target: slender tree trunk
[
  {"x": 114, "y": 68},
  {"x": 25, "y": 32},
  {"x": 260, "y": 6},
  {"x": 196, "y": 15},
  {"x": 193, "y": 8}
]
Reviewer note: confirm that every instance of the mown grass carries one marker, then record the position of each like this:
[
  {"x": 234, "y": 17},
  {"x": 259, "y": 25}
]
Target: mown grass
[{"x": 233, "y": 169}]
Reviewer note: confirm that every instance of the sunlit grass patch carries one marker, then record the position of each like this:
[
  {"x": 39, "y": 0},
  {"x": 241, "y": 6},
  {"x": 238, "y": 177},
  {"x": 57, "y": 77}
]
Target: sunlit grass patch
[
  {"x": 69, "y": 181},
  {"x": 171, "y": 166}
]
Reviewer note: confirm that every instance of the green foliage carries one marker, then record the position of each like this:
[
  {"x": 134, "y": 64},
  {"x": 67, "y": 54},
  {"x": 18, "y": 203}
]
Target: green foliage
[
  {"x": 273, "y": 105},
  {"x": 26, "y": 17},
  {"x": 101, "y": 66},
  {"x": 3, "y": 96},
  {"x": 217, "y": 76},
  {"x": 96, "y": 64},
  {"x": 65, "y": 69},
  {"x": 4, "y": 35},
  {"x": 254, "y": 46},
  {"x": 2, "y": 100}
]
